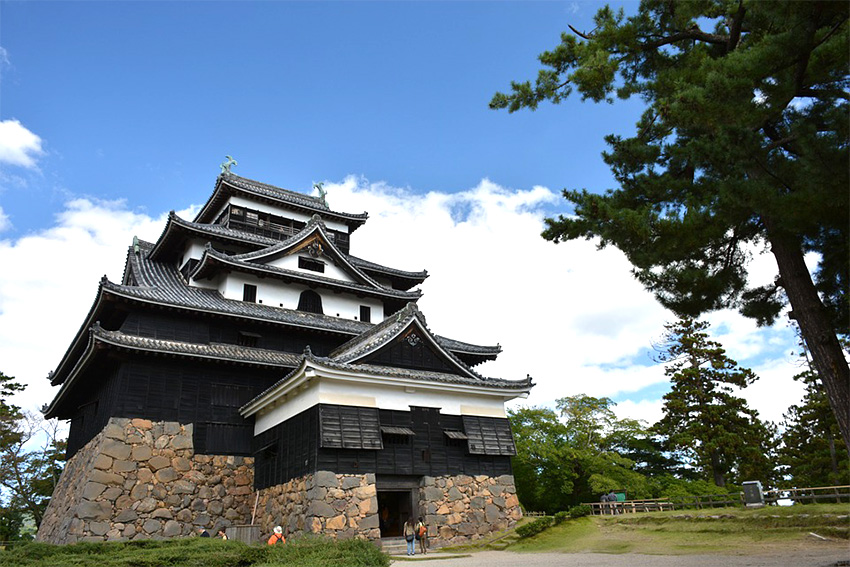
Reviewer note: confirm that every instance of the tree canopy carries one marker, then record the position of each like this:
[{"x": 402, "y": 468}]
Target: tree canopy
[
  {"x": 743, "y": 146},
  {"x": 713, "y": 429}
]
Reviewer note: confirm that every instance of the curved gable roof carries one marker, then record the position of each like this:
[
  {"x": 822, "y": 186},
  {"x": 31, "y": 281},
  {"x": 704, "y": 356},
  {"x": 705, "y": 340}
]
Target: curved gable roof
[{"x": 228, "y": 184}]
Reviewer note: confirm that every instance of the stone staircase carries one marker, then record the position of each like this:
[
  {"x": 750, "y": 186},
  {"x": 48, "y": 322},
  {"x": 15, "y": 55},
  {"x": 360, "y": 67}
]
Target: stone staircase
[{"x": 394, "y": 545}]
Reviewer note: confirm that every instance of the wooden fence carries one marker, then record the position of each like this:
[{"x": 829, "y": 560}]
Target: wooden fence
[{"x": 836, "y": 494}]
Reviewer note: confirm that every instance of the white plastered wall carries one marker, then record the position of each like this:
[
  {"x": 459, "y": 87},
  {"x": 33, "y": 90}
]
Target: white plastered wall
[{"x": 392, "y": 397}]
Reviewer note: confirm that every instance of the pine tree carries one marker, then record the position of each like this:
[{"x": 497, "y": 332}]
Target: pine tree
[
  {"x": 703, "y": 420},
  {"x": 811, "y": 453},
  {"x": 743, "y": 145}
]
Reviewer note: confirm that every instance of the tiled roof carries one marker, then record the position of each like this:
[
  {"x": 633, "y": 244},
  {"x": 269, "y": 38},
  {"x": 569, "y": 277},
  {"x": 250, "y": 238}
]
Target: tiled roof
[
  {"x": 516, "y": 386},
  {"x": 227, "y": 183},
  {"x": 367, "y": 265},
  {"x": 218, "y": 351},
  {"x": 387, "y": 330},
  {"x": 162, "y": 283},
  {"x": 213, "y": 231}
]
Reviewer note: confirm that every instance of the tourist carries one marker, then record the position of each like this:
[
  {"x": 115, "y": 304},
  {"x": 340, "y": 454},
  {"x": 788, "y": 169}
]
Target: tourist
[
  {"x": 222, "y": 534},
  {"x": 277, "y": 536},
  {"x": 422, "y": 535},
  {"x": 202, "y": 532},
  {"x": 409, "y": 533}
]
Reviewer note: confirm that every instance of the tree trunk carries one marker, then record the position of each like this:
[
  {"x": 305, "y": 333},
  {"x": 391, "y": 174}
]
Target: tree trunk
[
  {"x": 717, "y": 470},
  {"x": 815, "y": 327}
]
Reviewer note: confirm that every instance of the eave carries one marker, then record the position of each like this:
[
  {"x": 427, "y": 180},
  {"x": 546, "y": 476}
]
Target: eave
[{"x": 228, "y": 185}]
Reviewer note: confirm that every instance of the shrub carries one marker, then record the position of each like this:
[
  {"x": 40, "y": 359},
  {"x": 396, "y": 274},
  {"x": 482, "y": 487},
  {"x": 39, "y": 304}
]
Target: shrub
[
  {"x": 580, "y": 511},
  {"x": 534, "y": 527},
  {"x": 561, "y": 517}
]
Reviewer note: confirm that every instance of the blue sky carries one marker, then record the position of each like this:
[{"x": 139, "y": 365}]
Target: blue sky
[{"x": 113, "y": 113}]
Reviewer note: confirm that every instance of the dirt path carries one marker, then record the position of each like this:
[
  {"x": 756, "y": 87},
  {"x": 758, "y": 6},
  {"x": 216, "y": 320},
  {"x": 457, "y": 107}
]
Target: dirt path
[{"x": 828, "y": 557}]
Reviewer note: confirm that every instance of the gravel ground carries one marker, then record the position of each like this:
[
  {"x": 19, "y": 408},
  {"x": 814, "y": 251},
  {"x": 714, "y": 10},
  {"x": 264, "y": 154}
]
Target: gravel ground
[{"x": 808, "y": 558}]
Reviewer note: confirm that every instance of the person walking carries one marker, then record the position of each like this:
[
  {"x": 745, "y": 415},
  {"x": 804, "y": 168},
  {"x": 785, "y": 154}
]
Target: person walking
[
  {"x": 422, "y": 535},
  {"x": 409, "y": 532}
]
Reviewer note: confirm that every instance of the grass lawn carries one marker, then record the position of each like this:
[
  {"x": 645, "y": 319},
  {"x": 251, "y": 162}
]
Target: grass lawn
[
  {"x": 735, "y": 531},
  {"x": 197, "y": 552}
]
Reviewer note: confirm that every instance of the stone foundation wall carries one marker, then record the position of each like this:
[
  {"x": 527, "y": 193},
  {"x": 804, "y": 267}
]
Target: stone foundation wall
[
  {"x": 461, "y": 508},
  {"x": 141, "y": 480},
  {"x": 335, "y": 505}
]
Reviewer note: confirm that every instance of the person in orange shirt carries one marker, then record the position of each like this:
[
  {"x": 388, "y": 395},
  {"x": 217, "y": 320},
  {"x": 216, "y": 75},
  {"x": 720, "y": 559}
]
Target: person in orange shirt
[{"x": 277, "y": 536}]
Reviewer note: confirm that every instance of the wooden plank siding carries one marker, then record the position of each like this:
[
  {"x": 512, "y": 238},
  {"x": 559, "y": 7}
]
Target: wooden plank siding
[{"x": 292, "y": 448}]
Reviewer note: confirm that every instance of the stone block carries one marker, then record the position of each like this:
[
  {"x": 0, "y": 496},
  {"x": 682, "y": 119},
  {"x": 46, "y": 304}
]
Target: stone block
[
  {"x": 181, "y": 464},
  {"x": 493, "y": 513},
  {"x": 126, "y": 515},
  {"x": 151, "y": 526},
  {"x": 162, "y": 514},
  {"x": 433, "y": 494},
  {"x": 349, "y": 482},
  {"x": 103, "y": 462},
  {"x": 104, "y": 477},
  {"x": 365, "y": 492},
  {"x": 140, "y": 491},
  {"x": 146, "y": 505},
  {"x": 172, "y": 528},
  {"x": 141, "y": 453},
  {"x": 215, "y": 507},
  {"x": 454, "y": 494},
  {"x": 115, "y": 449},
  {"x": 123, "y": 466},
  {"x": 92, "y": 490},
  {"x": 202, "y": 520},
  {"x": 476, "y": 503},
  {"x": 99, "y": 528},
  {"x": 369, "y": 522},
  {"x": 141, "y": 423},
  {"x": 326, "y": 479},
  {"x": 321, "y": 509},
  {"x": 144, "y": 474},
  {"x": 113, "y": 431},
  {"x": 184, "y": 515},
  {"x": 158, "y": 462},
  {"x": 181, "y": 442},
  {"x": 111, "y": 493},
  {"x": 94, "y": 510},
  {"x": 167, "y": 474},
  {"x": 336, "y": 523},
  {"x": 170, "y": 428},
  {"x": 367, "y": 506}
]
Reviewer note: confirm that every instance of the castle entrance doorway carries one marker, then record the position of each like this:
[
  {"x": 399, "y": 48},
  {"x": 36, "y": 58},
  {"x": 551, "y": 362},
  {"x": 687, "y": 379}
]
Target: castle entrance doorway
[{"x": 397, "y": 501}]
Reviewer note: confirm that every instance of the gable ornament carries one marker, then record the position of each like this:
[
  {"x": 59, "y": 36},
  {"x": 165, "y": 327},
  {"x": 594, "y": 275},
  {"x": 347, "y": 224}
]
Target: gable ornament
[{"x": 225, "y": 167}]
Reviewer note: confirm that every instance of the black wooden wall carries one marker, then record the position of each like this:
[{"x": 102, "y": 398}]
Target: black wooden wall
[
  {"x": 293, "y": 448},
  {"x": 207, "y": 395}
]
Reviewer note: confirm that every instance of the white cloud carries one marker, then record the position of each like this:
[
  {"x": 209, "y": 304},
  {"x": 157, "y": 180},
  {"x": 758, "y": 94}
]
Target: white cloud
[
  {"x": 18, "y": 146},
  {"x": 571, "y": 316},
  {"x": 5, "y": 223}
]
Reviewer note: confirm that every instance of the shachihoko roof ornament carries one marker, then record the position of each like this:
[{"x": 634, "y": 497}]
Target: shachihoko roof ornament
[{"x": 225, "y": 167}]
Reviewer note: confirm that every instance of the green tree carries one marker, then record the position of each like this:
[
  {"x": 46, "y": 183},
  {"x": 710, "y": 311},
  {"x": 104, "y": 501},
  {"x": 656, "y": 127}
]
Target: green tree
[
  {"x": 31, "y": 460},
  {"x": 543, "y": 479},
  {"x": 743, "y": 143},
  {"x": 703, "y": 420},
  {"x": 568, "y": 458},
  {"x": 811, "y": 454}
]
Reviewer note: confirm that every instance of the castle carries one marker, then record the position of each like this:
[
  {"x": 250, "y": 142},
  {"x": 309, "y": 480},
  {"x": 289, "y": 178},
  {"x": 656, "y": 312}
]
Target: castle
[{"x": 248, "y": 369}]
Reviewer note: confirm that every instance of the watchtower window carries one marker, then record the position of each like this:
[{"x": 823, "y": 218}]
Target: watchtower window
[
  {"x": 311, "y": 302},
  {"x": 365, "y": 313},
  {"x": 249, "y": 293},
  {"x": 247, "y": 339},
  {"x": 311, "y": 264}
]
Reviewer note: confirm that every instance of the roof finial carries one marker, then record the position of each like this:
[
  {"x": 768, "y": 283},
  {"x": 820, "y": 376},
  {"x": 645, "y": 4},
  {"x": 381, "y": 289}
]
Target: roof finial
[
  {"x": 135, "y": 244},
  {"x": 320, "y": 187},
  {"x": 225, "y": 167}
]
